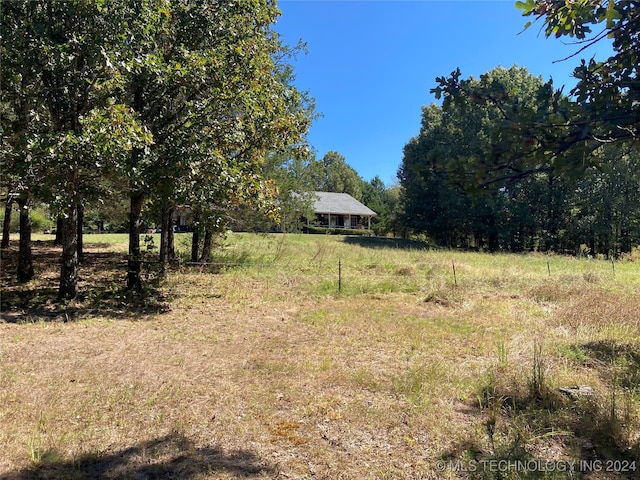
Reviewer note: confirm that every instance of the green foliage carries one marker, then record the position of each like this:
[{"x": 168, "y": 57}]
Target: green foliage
[
  {"x": 165, "y": 99},
  {"x": 333, "y": 174},
  {"x": 111, "y": 210},
  {"x": 296, "y": 179},
  {"x": 453, "y": 173},
  {"x": 608, "y": 90},
  {"x": 522, "y": 127},
  {"x": 291, "y": 179},
  {"x": 482, "y": 173},
  {"x": 384, "y": 202},
  {"x": 40, "y": 218},
  {"x": 337, "y": 231}
]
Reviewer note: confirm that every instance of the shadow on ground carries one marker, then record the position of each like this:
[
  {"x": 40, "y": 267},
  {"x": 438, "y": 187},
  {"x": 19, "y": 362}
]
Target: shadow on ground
[
  {"x": 172, "y": 456},
  {"x": 621, "y": 360},
  {"x": 101, "y": 284},
  {"x": 383, "y": 242}
]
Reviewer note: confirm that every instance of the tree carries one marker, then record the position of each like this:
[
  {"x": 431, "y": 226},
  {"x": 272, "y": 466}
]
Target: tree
[
  {"x": 607, "y": 91},
  {"x": 21, "y": 118},
  {"x": 333, "y": 174},
  {"x": 175, "y": 100},
  {"x": 560, "y": 132},
  {"x": 465, "y": 186},
  {"x": 291, "y": 178},
  {"x": 59, "y": 59},
  {"x": 431, "y": 203},
  {"x": 6, "y": 222},
  {"x": 604, "y": 206},
  {"x": 458, "y": 173},
  {"x": 378, "y": 198}
]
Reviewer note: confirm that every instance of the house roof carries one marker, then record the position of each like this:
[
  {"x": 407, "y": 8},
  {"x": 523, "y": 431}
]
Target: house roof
[{"x": 339, "y": 204}]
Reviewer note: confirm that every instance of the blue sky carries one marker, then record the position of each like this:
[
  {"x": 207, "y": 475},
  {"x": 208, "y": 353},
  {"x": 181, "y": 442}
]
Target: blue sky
[{"x": 370, "y": 65}]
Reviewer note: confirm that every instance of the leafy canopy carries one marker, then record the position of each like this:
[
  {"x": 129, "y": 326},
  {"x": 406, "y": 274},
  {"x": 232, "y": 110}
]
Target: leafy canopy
[{"x": 607, "y": 90}]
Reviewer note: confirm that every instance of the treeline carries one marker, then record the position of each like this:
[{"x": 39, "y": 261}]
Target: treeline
[
  {"x": 509, "y": 162},
  {"x": 150, "y": 103},
  {"x": 486, "y": 172}
]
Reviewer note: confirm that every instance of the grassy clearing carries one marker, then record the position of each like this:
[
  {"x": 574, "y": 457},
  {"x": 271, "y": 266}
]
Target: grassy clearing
[{"x": 257, "y": 366}]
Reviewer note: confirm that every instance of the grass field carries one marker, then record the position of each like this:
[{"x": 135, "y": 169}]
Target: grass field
[{"x": 293, "y": 356}]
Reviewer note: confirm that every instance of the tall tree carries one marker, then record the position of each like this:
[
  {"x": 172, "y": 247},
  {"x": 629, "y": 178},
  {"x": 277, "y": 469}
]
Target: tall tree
[
  {"x": 381, "y": 200},
  {"x": 292, "y": 176},
  {"x": 604, "y": 205},
  {"x": 457, "y": 173},
  {"x": 208, "y": 81},
  {"x": 333, "y": 174},
  {"x": 6, "y": 222},
  {"x": 431, "y": 202},
  {"x": 61, "y": 50},
  {"x": 291, "y": 179},
  {"x": 23, "y": 121}
]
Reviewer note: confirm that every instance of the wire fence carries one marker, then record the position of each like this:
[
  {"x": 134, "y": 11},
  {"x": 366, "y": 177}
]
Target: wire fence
[{"x": 343, "y": 275}]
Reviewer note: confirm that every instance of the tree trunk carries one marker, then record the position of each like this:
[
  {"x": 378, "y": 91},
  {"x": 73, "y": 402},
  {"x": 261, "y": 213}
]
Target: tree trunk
[
  {"x": 69, "y": 271},
  {"x": 207, "y": 245},
  {"x": 195, "y": 239},
  {"x": 134, "y": 264},
  {"x": 80, "y": 232},
  {"x": 6, "y": 225},
  {"x": 195, "y": 245},
  {"x": 552, "y": 223},
  {"x": 59, "y": 227},
  {"x": 25, "y": 259},
  {"x": 171, "y": 244},
  {"x": 165, "y": 232},
  {"x": 493, "y": 237}
]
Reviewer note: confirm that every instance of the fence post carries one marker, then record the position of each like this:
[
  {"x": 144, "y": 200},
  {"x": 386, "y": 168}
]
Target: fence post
[
  {"x": 339, "y": 275},
  {"x": 613, "y": 267},
  {"x": 455, "y": 279}
]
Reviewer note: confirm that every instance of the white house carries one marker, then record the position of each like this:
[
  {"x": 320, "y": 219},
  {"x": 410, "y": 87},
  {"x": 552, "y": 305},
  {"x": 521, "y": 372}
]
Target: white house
[{"x": 340, "y": 210}]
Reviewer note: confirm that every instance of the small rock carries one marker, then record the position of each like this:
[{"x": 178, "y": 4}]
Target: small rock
[{"x": 577, "y": 391}]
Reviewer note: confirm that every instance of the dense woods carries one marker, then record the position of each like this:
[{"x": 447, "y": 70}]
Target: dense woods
[
  {"x": 508, "y": 162},
  {"x": 467, "y": 182}
]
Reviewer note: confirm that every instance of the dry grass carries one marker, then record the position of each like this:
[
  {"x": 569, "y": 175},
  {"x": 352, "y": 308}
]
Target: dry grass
[{"x": 264, "y": 370}]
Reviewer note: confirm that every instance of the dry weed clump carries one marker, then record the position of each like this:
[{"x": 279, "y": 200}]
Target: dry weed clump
[
  {"x": 525, "y": 417},
  {"x": 555, "y": 291},
  {"x": 598, "y": 308},
  {"x": 446, "y": 297}
]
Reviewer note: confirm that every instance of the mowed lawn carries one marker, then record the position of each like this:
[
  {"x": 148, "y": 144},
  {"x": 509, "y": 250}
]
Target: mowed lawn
[{"x": 301, "y": 356}]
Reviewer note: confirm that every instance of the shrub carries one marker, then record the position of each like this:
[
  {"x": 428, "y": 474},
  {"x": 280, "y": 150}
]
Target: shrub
[
  {"x": 337, "y": 231},
  {"x": 40, "y": 220}
]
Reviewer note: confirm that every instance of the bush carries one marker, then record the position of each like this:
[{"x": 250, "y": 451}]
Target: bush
[
  {"x": 40, "y": 220},
  {"x": 337, "y": 231}
]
